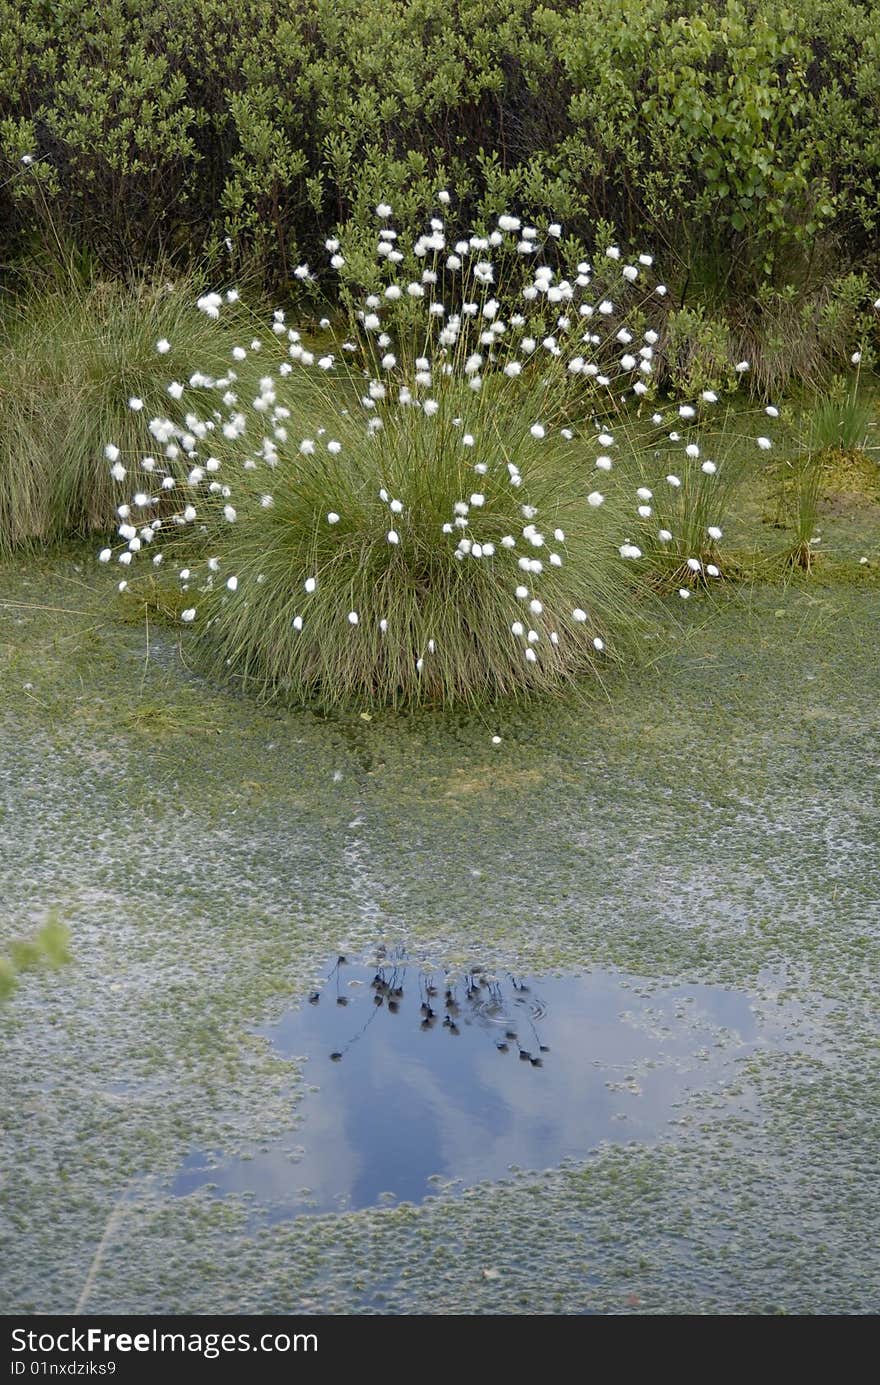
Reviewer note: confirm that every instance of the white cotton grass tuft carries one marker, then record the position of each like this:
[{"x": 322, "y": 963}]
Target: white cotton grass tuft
[
  {"x": 448, "y": 429},
  {"x": 119, "y": 362}
]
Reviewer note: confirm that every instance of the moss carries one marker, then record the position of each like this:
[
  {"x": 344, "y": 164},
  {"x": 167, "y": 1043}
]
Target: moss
[{"x": 849, "y": 472}]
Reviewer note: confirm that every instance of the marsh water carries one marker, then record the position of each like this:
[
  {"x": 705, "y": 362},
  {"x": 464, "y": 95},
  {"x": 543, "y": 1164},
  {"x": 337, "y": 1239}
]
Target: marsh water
[
  {"x": 681, "y": 868},
  {"x": 419, "y": 1079}
]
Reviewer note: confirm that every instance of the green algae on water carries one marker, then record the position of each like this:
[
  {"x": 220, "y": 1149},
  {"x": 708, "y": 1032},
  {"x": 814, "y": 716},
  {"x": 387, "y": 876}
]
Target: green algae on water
[{"x": 712, "y": 822}]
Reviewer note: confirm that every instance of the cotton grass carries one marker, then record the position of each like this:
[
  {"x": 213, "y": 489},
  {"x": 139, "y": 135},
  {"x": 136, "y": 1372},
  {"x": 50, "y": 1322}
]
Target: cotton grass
[
  {"x": 82, "y": 364},
  {"x": 430, "y": 509}
]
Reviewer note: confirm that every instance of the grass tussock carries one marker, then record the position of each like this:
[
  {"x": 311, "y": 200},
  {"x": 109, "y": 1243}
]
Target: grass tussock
[
  {"x": 73, "y": 358},
  {"x": 448, "y": 505},
  {"x": 405, "y": 621}
]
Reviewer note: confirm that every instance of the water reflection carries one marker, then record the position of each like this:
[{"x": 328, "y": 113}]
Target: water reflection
[{"x": 424, "y": 1076}]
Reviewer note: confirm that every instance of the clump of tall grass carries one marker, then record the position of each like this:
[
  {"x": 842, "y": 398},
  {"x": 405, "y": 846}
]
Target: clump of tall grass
[
  {"x": 842, "y": 422},
  {"x": 837, "y": 424},
  {"x": 802, "y": 487},
  {"x": 74, "y": 353},
  {"x": 435, "y": 509},
  {"x": 691, "y": 495}
]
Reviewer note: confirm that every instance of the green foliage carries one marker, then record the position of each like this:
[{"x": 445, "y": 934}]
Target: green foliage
[
  {"x": 840, "y": 421},
  {"x": 698, "y": 352},
  {"x": 47, "y": 949},
  {"x": 797, "y": 333},
  {"x": 74, "y": 353},
  {"x": 738, "y": 130}
]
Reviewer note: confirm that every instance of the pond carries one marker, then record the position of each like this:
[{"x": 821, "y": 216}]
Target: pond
[
  {"x": 681, "y": 868},
  {"x": 417, "y": 1079}
]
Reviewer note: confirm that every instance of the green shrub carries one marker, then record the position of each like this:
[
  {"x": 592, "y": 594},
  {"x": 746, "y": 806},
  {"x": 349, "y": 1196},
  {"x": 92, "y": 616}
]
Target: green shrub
[
  {"x": 736, "y": 133},
  {"x": 699, "y": 352}
]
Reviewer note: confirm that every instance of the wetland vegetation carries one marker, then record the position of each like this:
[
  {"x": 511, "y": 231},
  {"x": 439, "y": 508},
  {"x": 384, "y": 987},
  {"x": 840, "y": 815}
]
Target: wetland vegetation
[{"x": 439, "y": 590}]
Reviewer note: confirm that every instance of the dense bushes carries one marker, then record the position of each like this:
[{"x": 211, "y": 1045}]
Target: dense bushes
[{"x": 742, "y": 135}]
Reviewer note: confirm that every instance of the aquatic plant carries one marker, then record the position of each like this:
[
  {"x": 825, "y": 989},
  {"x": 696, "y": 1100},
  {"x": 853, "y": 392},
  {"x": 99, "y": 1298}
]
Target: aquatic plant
[
  {"x": 48, "y": 948},
  {"x": 839, "y": 423},
  {"x": 446, "y": 505}
]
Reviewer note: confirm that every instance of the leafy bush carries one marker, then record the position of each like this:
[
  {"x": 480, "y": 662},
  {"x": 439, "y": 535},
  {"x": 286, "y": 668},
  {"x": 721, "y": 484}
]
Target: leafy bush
[
  {"x": 739, "y": 133},
  {"x": 699, "y": 352}
]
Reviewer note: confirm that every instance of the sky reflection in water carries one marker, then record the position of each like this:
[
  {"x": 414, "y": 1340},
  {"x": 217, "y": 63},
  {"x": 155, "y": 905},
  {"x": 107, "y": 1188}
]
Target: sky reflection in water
[{"x": 506, "y": 1071}]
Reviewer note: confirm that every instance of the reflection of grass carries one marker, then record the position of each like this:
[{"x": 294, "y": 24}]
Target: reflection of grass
[{"x": 48, "y": 949}]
